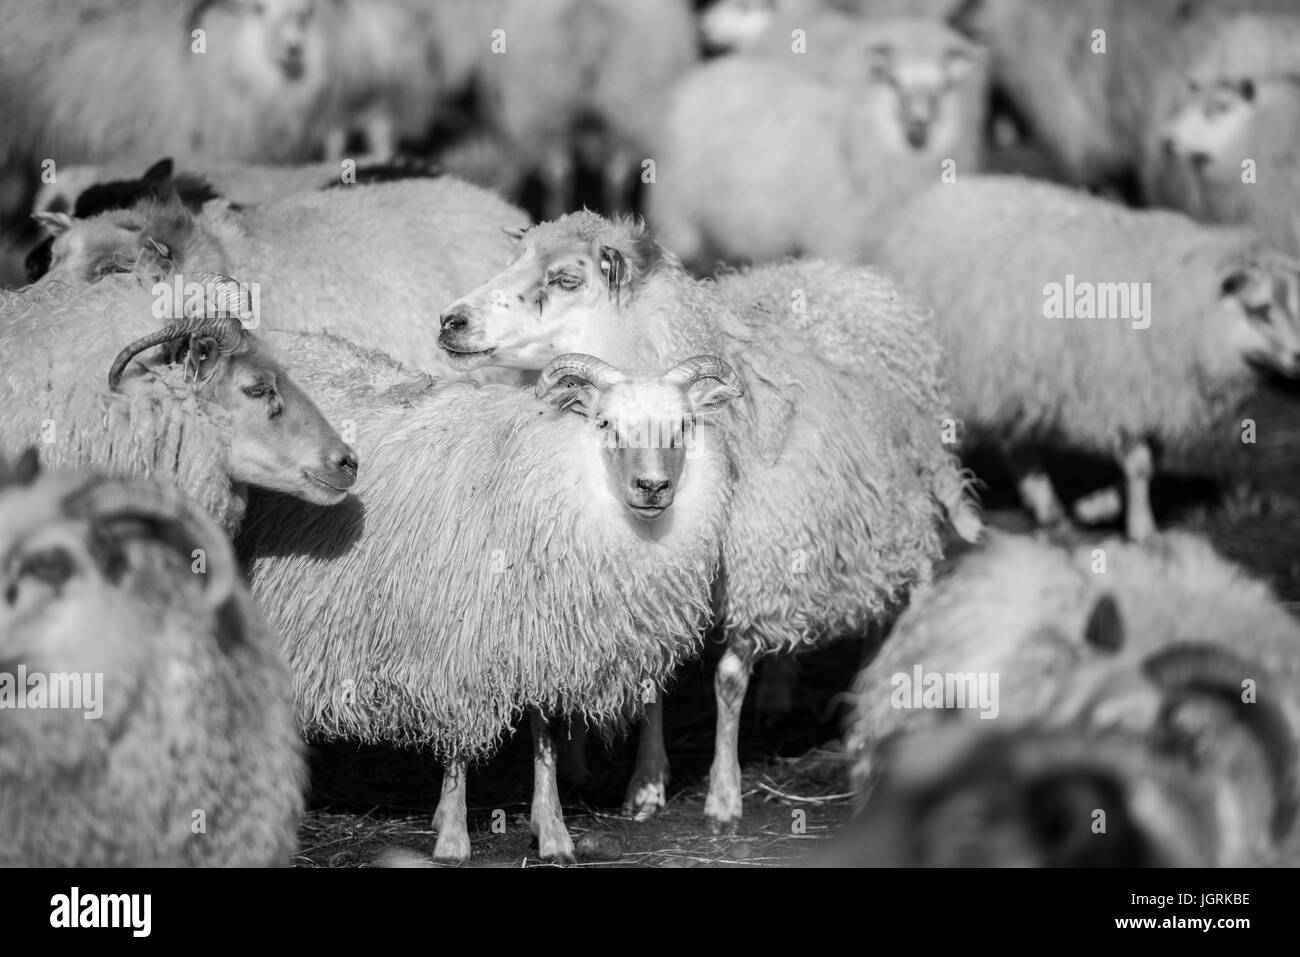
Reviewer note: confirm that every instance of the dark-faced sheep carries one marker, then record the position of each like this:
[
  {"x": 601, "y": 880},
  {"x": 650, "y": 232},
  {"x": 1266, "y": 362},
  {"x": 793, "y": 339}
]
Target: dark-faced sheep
[
  {"x": 157, "y": 728},
  {"x": 843, "y": 481}
]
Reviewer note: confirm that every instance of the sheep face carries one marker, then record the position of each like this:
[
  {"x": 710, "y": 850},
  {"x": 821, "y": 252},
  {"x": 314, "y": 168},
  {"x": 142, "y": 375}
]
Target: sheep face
[
  {"x": 640, "y": 431},
  {"x": 729, "y": 24},
  {"x": 562, "y": 292},
  {"x": 1260, "y": 305},
  {"x": 1213, "y": 127},
  {"x": 277, "y": 37},
  {"x": 910, "y": 75}
]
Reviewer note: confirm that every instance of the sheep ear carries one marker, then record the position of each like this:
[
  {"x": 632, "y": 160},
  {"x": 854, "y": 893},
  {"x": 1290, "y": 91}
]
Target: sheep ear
[
  {"x": 613, "y": 268},
  {"x": 55, "y": 223},
  {"x": 1244, "y": 283},
  {"x": 160, "y": 173},
  {"x": 201, "y": 358},
  {"x": 515, "y": 232},
  {"x": 1105, "y": 628},
  {"x": 22, "y": 472},
  {"x": 710, "y": 395}
]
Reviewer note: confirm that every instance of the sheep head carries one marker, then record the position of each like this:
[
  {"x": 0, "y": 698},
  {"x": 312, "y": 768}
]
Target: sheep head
[
  {"x": 569, "y": 286},
  {"x": 643, "y": 427},
  {"x": 279, "y": 438},
  {"x": 1259, "y": 306},
  {"x": 276, "y": 39}
]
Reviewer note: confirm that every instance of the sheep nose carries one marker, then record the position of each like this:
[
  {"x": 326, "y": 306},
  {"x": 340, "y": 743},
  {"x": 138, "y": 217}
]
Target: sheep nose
[
  {"x": 454, "y": 320},
  {"x": 653, "y": 486},
  {"x": 348, "y": 462}
]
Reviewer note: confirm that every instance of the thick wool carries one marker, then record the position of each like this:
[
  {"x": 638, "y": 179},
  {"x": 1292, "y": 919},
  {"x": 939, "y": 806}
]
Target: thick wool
[
  {"x": 376, "y": 263},
  {"x": 842, "y": 477},
  {"x": 1020, "y": 608},
  {"x": 760, "y": 158},
  {"x": 569, "y": 65},
  {"x": 475, "y": 574},
  {"x": 55, "y": 353},
  {"x": 76, "y": 74},
  {"x": 1078, "y": 382},
  {"x": 197, "y": 718}
]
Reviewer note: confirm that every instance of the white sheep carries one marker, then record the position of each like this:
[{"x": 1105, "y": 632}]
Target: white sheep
[
  {"x": 1093, "y": 78},
  {"x": 843, "y": 480},
  {"x": 581, "y": 80},
  {"x": 1229, "y": 154},
  {"x": 1133, "y": 333},
  {"x": 173, "y": 742},
  {"x": 1091, "y": 637},
  {"x": 561, "y": 563},
  {"x": 216, "y": 413},
  {"x": 759, "y": 158},
  {"x": 89, "y": 82},
  {"x": 372, "y": 263}
]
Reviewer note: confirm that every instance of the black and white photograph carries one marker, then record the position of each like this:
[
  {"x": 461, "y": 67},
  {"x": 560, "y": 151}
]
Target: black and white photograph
[{"x": 596, "y": 435}]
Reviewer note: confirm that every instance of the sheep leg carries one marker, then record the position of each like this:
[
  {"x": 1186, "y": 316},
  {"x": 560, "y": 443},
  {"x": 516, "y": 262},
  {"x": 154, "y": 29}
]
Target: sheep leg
[
  {"x": 547, "y": 819},
  {"x": 381, "y": 137},
  {"x": 617, "y": 185},
  {"x": 1035, "y": 488},
  {"x": 647, "y": 792},
  {"x": 1138, "y": 463},
  {"x": 722, "y": 807},
  {"x": 774, "y": 699},
  {"x": 573, "y": 753},
  {"x": 556, "y": 172},
  {"x": 449, "y": 820}
]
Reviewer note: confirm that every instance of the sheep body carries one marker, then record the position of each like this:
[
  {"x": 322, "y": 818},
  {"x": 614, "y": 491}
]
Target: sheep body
[
  {"x": 195, "y": 760},
  {"x": 760, "y": 158},
  {"x": 73, "y": 71},
  {"x": 574, "y": 67},
  {"x": 510, "y": 588},
  {"x": 1020, "y": 609}
]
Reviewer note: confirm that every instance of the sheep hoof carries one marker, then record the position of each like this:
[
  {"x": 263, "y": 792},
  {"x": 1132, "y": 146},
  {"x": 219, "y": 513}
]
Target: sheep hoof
[
  {"x": 644, "y": 800},
  {"x": 452, "y": 846},
  {"x": 556, "y": 848},
  {"x": 722, "y": 826}
]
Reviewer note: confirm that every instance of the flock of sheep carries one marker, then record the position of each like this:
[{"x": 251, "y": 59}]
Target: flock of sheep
[{"x": 269, "y": 283}]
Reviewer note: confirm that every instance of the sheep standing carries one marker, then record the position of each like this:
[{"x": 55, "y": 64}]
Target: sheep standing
[
  {"x": 1075, "y": 638},
  {"x": 369, "y": 262},
  {"x": 193, "y": 758},
  {"x": 215, "y": 414},
  {"x": 842, "y": 477},
  {"x": 562, "y": 562},
  {"x": 76, "y": 75},
  {"x": 1103, "y": 363},
  {"x": 1229, "y": 154},
  {"x": 759, "y": 158},
  {"x": 580, "y": 80}
]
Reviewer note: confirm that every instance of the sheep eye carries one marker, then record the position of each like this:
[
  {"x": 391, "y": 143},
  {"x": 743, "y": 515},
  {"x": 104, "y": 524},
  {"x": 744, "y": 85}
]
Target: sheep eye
[
  {"x": 257, "y": 391},
  {"x": 566, "y": 282},
  {"x": 602, "y": 423},
  {"x": 52, "y": 566}
]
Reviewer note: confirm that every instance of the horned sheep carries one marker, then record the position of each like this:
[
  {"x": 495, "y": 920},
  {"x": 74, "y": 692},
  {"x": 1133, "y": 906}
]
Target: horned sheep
[
  {"x": 759, "y": 158},
  {"x": 1134, "y": 333},
  {"x": 193, "y": 758},
  {"x": 1084, "y": 640},
  {"x": 217, "y": 412},
  {"x": 842, "y": 478},
  {"x": 561, "y": 564},
  {"x": 368, "y": 262}
]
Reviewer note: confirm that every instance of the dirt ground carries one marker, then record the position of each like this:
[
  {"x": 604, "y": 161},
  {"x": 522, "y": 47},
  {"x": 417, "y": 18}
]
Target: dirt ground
[{"x": 373, "y": 806}]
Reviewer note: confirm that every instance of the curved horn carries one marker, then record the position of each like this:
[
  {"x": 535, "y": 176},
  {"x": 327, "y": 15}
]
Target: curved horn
[
  {"x": 578, "y": 365},
  {"x": 230, "y": 335},
  {"x": 177, "y": 521},
  {"x": 690, "y": 371},
  {"x": 1211, "y": 670}
]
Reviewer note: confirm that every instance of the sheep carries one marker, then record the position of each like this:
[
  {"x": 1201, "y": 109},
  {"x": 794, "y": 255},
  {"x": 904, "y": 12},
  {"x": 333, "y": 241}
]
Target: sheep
[
  {"x": 1229, "y": 153},
  {"x": 1134, "y": 333},
  {"x": 385, "y": 74},
  {"x": 759, "y": 159},
  {"x": 214, "y": 415},
  {"x": 767, "y": 26},
  {"x": 369, "y": 262},
  {"x": 1037, "y": 617},
  {"x": 76, "y": 74},
  {"x": 194, "y": 759},
  {"x": 580, "y": 80},
  {"x": 858, "y": 438},
  {"x": 562, "y": 567},
  {"x": 1093, "y": 102}
]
